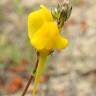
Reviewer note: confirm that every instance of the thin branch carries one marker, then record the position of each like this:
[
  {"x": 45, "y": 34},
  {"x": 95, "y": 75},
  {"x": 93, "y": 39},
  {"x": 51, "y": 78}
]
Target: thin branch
[
  {"x": 27, "y": 86},
  {"x": 31, "y": 78}
]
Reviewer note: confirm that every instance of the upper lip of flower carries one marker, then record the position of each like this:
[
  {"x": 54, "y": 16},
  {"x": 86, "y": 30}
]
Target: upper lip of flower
[{"x": 37, "y": 18}]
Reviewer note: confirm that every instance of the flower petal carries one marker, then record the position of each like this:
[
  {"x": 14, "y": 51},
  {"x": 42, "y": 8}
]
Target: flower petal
[
  {"x": 45, "y": 38},
  {"x": 48, "y": 38},
  {"x": 61, "y": 43},
  {"x": 36, "y": 19}
]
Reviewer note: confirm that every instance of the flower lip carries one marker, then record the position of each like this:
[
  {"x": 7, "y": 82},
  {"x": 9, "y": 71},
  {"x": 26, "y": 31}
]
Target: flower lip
[
  {"x": 37, "y": 18},
  {"x": 48, "y": 38}
]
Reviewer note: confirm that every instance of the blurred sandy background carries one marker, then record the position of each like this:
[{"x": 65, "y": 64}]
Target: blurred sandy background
[{"x": 71, "y": 72}]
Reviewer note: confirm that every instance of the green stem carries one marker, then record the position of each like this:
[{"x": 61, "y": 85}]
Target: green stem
[{"x": 39, "y": 71}]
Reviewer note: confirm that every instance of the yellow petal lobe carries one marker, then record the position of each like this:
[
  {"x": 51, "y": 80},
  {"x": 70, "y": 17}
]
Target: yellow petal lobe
[{"x": 37, "y": 18}]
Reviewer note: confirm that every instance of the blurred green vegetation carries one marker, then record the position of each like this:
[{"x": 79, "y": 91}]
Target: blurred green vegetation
[{"x": 10, "y": 49}]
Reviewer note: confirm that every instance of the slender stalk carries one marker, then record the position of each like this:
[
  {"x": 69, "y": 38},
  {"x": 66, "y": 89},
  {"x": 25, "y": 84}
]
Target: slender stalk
[
  {"x": 31, "y": 78},
  {"x": 39, "y": 71},
  {"x": 27, "y": 86}
]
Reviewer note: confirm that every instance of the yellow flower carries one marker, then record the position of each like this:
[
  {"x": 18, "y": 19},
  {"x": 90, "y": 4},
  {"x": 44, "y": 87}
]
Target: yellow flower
[
  {"x": 43, "y": 31},
  {"x": 44, "y": 35}
]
